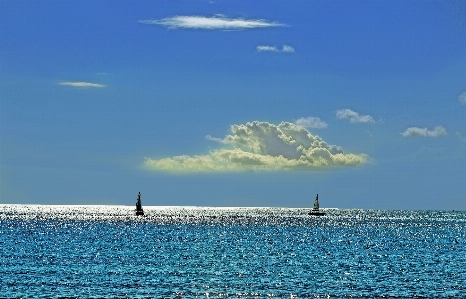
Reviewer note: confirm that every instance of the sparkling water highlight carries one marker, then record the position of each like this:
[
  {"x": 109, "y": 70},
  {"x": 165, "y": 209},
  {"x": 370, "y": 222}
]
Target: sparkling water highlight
[{"x": 194, "y": 252}]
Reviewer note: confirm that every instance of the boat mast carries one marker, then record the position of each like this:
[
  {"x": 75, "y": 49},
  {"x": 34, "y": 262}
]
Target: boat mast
[{"x": 316, "y": 203}]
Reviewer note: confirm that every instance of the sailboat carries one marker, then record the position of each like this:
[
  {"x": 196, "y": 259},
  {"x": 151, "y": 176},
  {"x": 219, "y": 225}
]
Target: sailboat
[
  {"x": 139, "y": 210},
  {"x": 315, "y": 209}
]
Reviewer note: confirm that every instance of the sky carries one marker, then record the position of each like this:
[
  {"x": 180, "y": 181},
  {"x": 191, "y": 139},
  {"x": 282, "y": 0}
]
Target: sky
[{"x": 234, "y": 103}]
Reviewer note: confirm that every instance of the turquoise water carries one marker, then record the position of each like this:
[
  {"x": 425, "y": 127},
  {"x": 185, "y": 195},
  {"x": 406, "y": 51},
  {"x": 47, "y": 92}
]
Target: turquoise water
[{"x": 189, "y": 252}]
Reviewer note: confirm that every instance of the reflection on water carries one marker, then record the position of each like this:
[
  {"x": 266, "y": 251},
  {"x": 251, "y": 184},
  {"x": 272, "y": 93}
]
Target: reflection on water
[{"x": 185, "y": 252}]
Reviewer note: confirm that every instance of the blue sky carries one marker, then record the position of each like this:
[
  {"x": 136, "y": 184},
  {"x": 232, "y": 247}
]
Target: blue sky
[{"x": 234, "y": 103}]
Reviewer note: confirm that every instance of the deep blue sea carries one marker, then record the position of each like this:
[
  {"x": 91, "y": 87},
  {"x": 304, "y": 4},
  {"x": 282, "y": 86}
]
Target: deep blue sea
[{"x": 193, "y": 252}]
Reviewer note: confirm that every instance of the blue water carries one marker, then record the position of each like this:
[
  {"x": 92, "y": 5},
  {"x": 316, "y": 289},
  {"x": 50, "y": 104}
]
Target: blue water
[{"x": 183, "y": 252}]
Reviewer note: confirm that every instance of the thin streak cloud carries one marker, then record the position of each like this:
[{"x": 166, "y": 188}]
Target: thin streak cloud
[
  {"x": 424, "y": 132},
  {"x": 285, "y": 48},
  {"x": 262, "y": 146},
  {"x": 219, "y": 140},
  {"x": 267, "y": 48},
  {"x": 81, "y": 84},
  {"x": 218, "y": 22},
  {"x": 354, "y": 117}
]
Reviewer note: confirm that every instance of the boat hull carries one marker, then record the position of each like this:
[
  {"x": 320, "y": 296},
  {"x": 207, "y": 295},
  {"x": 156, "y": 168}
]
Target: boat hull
[
  {"x": 140, "y": 213},
  {"x": 316, "y": 213}
]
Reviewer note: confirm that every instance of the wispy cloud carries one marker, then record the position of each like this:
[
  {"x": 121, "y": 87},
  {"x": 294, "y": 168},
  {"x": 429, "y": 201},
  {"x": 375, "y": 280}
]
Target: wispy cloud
[
  {"x": 438, "y": 131},
  {"x": 217, "y": 22},
  {"x": 216, "y": 139},
  {"x": 81, "y": 84},
  {"x": 267, "y": 48},
  {"x": 462, "y": 98},
  {"x": 311, "y": 122},
  {"x": 354, "y": 117},
  {"x": 288, "y": 49},
  {"x": 285, "y": 48},
  {"x": 461, "y": 136},
  {"x": 263, "y": 146}
]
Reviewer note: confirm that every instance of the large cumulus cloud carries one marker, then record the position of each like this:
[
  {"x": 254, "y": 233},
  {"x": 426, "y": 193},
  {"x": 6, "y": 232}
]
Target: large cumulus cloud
[{"x": 263, "y": 146}]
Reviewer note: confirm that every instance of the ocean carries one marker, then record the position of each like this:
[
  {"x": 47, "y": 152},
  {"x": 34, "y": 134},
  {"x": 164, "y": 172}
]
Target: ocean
[{"x": 200, "y": 252}]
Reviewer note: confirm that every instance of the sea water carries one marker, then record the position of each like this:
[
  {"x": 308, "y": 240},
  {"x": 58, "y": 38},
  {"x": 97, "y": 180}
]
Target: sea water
[{"x": 193, "y": 252}]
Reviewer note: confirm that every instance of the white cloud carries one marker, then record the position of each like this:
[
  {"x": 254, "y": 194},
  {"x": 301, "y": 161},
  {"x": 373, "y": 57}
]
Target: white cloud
[
  {"x": 462, "y": 98},
  {"x": 311, "y": 122},
  {"x": 354, "y": 117},
  {"x": 219, "y": 140},
  {"x": 288, "y": 49},
  {"x": 424, "y": 132},
  {"x": 213, "y": 23},
  {"x": 81, "y": 84},
  {"x": 267, "y": 48},
  {"x": 263, "y": 146}
]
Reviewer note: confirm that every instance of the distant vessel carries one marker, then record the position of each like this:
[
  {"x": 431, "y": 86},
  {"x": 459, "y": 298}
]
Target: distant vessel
[
  {"x": 315, "y": 209},
  {"x": 139, "y": 210}
]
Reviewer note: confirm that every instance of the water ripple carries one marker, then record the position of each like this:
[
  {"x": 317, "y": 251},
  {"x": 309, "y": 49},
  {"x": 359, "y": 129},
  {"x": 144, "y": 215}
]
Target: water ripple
[{"x": 191, "y": 252}]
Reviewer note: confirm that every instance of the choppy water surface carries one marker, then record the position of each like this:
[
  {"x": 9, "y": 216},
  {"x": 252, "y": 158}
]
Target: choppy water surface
[{"x": 183, "y": 252}]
